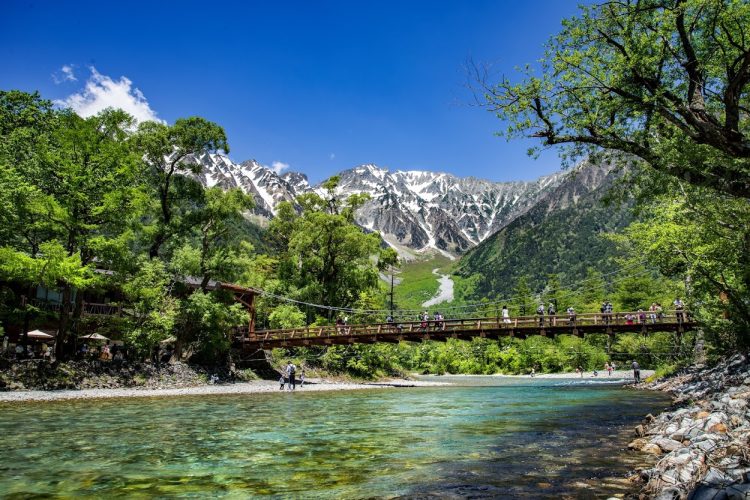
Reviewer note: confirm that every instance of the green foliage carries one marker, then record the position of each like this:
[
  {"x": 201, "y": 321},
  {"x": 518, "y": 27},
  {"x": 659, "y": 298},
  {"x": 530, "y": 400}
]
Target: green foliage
[
  {"x": 154, "y": 309},
  {"x": 204, "y": 324},
  {"x": 663, "y": 80},
  {"x": 286, "y": 316},
  {"x": 325, "y": 257},
  {"x": 702, "y": 238}
]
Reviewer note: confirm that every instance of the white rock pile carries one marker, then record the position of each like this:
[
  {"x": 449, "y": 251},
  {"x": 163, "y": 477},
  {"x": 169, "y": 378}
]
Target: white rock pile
[{"x": 705, "y": 443}]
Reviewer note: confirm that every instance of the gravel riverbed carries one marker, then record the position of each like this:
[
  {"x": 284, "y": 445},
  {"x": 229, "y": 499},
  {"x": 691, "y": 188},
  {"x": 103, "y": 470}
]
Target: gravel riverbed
[{"x": 704, "y": 441}]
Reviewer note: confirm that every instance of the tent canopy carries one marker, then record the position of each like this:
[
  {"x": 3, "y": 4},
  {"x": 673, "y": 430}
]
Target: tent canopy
[
  {"x": 39, "y": 334},
  {"x": 93, "y": 336}
]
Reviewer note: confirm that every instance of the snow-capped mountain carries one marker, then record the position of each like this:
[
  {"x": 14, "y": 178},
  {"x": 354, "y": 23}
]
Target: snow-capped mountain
[{"x": 414, "y": 210}]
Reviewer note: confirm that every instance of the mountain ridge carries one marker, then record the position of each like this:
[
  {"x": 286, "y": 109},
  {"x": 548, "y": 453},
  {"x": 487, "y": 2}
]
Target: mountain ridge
[{"x": 414, "y": 210}]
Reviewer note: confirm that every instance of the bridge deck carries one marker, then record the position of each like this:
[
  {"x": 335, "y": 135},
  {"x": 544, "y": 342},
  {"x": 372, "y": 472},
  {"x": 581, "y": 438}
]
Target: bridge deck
[{"x": 494, "y": 328}]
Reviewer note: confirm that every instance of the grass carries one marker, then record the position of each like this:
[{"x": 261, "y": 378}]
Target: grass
[{"x": 418, "y": 283}]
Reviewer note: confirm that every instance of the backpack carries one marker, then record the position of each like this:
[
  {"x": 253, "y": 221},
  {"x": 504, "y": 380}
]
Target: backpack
[
  {"x": 292, "y": 369},
  {"x": 540, "y": 310}
]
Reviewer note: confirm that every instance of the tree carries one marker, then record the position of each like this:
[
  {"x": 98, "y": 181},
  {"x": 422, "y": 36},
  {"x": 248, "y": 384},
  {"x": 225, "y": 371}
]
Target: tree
[
  {"x": 326, "y": 258},
  {"x": 665, "y": 81},
  {"x": 217, "y": 220},
  {"x": 695, "y": 235},
  {"x": 523, "y": 297},
  {"x": 168, "y": 151}
]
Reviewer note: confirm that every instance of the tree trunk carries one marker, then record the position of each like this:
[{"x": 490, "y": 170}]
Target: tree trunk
[{"x": 62, "y": 347}]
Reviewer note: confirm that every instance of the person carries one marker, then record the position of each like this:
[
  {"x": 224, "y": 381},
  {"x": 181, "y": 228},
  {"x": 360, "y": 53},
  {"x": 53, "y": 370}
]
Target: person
[
  {"x": 423, "y": 320},
  {"x": 439, "y": 323},
  {"x": 282, "y": 382},
  {"x": 506, "y": 315},
  {"x": 636, "y": 372},
  {"x": 679, "y": 307},
  {"x": 609, "y": 367},
  {"x": 19, "y": 351},
  {"x": 595, "y": 374},
  {"x": 571, "y": 316},
  {"x": 641, "y": 317},
  {"x": 579, "y": 370},
  {"x": 608, "y": 310},
  {"x": 652, "y": 313},
  {"x": 540, "y": 313},
  {"x": 339, "y": 325},
  {"x": 532, "y": 372},
  {"x": 659, "y": 312},
  {"x": 302, "y": 377},
  {"x": 551, "y": 311},
  {"x": 629, "y": 319},
  {"x": 47, "y": 352},
  {"x": 290, "y": 371}
]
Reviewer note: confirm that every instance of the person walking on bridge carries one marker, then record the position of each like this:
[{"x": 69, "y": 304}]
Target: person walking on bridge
[
  {"x": 506, "y": 315},
  {"x": 551, "y": 311},
  {"x": 540, "y": 313},
  {"x": 679, "y": 307}
]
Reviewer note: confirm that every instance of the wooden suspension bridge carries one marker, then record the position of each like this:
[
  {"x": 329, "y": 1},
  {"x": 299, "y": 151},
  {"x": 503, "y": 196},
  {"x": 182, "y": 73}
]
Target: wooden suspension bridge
[{"x": 492, "y": 328}]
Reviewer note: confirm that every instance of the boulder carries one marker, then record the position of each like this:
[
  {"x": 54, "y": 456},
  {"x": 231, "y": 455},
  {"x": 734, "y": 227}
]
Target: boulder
[
  {"x": 651, "y": 448},
  {"x": 667, "y": 444},
  {"x": 638, "y": 444}
]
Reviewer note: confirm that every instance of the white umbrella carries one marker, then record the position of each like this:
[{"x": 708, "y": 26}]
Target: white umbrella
[
  {"x": 93, "y": 336},
  {"x": 38, "y": 334}
]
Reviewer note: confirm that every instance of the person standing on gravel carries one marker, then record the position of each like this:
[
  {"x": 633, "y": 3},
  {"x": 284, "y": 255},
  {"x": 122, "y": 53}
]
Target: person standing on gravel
[
  {"x": 636, "y": 372},
  {"x": 290, "y": 372}
]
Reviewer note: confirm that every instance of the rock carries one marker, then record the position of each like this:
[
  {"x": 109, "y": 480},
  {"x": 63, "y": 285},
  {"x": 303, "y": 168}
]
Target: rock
[
  {"x": 718, "y": 428},
  {"x": 639, "y": 431},
  {"x": 651, "y": 448},
  {"x": 638, "y": 444},
  {"x": 702, "y": 414},
  {"x": 667, "y": 444}
]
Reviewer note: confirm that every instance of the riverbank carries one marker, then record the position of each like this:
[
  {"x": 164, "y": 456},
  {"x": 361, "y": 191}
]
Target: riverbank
[
  {"x": 252, "y": 387},
  {"x": 704, "y": 441}
]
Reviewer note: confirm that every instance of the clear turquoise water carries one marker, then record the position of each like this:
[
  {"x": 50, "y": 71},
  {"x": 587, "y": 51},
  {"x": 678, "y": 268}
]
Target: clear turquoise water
[{"x": 521, "y": 438}]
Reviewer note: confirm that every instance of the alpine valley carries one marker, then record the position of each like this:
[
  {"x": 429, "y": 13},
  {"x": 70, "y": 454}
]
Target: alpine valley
[{"x": 504, "y": 229}]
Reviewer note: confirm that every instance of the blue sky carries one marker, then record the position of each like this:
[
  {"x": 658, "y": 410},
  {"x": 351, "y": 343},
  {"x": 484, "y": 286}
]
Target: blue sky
[{"x": 318, "y": 86}]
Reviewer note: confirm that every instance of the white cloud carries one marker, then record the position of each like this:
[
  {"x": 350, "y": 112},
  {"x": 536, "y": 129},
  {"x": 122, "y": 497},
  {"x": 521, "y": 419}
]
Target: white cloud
[
  {"x": 332, "y": 156},
  {"x": 279, "y": 166},
  {"x": 103, "y": 92},
  {"x": 66, "y": 74}
]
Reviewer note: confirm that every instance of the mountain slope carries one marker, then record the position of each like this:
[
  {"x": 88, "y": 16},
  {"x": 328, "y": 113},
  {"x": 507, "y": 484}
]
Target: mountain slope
[{"x": 560, "y": 234}]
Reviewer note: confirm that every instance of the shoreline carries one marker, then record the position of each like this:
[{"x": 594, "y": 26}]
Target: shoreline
[
  {"x": 251, "y": 387},
  {"x": 626, "y": 375},
  {"x": 702, "y": 440},
  {"x": 271, "y": 386}
]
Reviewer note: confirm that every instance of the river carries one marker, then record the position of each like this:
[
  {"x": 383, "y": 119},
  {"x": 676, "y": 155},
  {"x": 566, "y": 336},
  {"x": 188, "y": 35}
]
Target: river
[{"x": 487, "y": 437}]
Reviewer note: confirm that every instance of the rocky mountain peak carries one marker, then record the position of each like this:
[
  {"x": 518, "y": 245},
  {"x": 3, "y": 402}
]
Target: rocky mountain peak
[{"x": 413, "y": 210}]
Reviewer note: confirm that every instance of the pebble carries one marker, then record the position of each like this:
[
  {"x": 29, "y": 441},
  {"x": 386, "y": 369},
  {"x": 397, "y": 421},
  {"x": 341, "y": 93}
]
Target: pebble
[{"x": 712, "y": 427}]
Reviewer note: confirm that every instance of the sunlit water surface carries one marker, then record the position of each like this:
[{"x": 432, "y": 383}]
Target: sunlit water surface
[{"x": 488, "y": 437}]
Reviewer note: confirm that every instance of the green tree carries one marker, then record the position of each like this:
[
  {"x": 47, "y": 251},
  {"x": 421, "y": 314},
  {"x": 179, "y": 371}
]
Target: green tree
[
  {"x": 170, "y": 150},
  {"x": 663, "y": 80},
  {"x": 524, "y": 299},
  {"x": 326, "y": 258},
  {"x": 704, "y": 238}
]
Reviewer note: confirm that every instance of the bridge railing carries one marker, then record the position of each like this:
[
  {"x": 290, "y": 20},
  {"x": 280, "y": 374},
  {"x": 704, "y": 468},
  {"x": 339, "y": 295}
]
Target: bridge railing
[{"x": 470, "y": 324}]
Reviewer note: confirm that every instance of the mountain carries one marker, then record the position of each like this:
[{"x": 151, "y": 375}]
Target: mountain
[
  {"x": 559, "y": 234},
  {"x": 413, "y": 210},
  {"x": 266, "y": 186}
]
